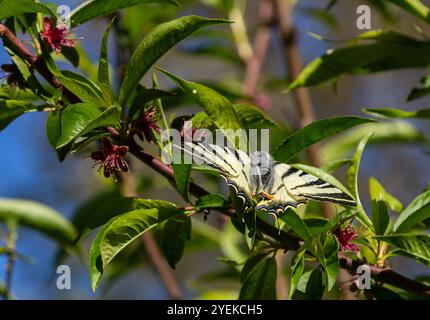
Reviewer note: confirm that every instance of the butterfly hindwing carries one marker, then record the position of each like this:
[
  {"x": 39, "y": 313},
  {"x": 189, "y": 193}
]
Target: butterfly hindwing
[{"x": 302, "y": 185}]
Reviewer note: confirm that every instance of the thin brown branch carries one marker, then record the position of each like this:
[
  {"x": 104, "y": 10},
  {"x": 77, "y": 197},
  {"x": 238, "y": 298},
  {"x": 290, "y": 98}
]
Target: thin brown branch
[
  {"x": 11, "y": 258},
  {"x": 255, "y": 62}
]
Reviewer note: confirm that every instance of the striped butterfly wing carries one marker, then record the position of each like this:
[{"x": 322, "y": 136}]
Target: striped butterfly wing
[
  {"x": 233, "y": 165},
  {"x": 290, "y": 187}
]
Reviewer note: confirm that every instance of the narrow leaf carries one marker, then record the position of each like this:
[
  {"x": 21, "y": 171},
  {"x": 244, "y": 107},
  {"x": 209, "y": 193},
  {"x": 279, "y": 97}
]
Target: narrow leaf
[
  {"x": 39, "y": 217},
  {"x": 417, "y": 211},
  {"x": 175, "y": 233},
  {"x": 103, "y": 71},
  {"x": 313, "y": 133},
  {"x": 127, "y": 227},
  {"x": 415, "y": 246},
  {"x": 397, "y": 113},
  {"x": 261, "y": 283},
  {"x": 155, "y": 44},
  {"x": 97, "y": 8}
]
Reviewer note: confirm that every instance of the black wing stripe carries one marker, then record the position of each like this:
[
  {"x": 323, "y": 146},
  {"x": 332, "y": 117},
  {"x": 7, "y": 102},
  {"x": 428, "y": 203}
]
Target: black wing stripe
[
  {"x": 290, "y": 171},
  {"x": 341, "y": 199},
  {"x": 318, "y": 182}
]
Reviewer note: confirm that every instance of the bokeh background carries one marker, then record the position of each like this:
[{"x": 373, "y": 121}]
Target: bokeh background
[{"x": 30, "y": 169}]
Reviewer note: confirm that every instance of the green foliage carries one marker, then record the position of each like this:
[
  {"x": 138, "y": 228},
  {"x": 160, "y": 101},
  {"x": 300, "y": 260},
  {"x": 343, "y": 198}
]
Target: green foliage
[
  {"x": 97, "y": 8},
  {"x": 78, "y": 119},
  {"x": 417, "y": 211},
  {"x": 313, "y": 133},
  {"x": 155, "y": 44},
  {"x": 39, "y": 217},
  {"x": 9, "y": 8},
  {"x": 261, "y": 282},
  {"x": 12, "y": 109},
  {"x": 410, "y": 245}
]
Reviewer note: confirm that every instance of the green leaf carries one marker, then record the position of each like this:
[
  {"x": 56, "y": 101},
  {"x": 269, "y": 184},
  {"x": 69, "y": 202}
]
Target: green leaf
[
  {"x": 211, "y": 201},
  {"x": 313, "y": 133},
  {"x": 100, "y": 208},
  {"x": 252, "y": 117},
  {"x": 381, "y": 293},
  {"x": 397, "y": 113},
  {"x": 297, "y": 268},
  {"x": 422, "y": 91},
  {"x": 333, "y": 165},
  {"x": 103, "y": 70},
  {"x": 78, "y": 119},
  {"x": 71, "y": 54},
  {"x": 415, "y": 246},
  {"x": 387, "y": 53},
  {"x": 39, "y": 217},
  {"x": 293, "y": 220},
  {"x": 12, "y": 109},
  {"x": 417, "y": 211},
  {"x": 353, "y": 179},
  {"x": 384, "y": 132},
  {"x": 218, "y": 108},
  {"x": 380, "y": 217},
  {"x": 9, "y": 8},
  {"x": 175, "y": 233},
  {"x": 83, "y": 88},
  {"x": 142, "y": 96},
  {"x": 261, "y": 282},
  {"x": 378, "y": 192},
  {"x": 330, "y": 260},
  {"x": 311, "y": 284},
  {"x": 414, "y": 7},
  {"x": 123, "y": 229},
  {"x": 182, "y": 175},
  {"x": 251, "y": 263},
  {"x": 97, "y": 8},
  {"x": 155, "y": 44},
  {"x": 53, "y": 133},
  {"x": 95, "y": 260}
]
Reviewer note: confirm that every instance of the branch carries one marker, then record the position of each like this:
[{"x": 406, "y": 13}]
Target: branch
[
  {"x": 11, "y": 257},
  {"x": 254, "y": 62}
]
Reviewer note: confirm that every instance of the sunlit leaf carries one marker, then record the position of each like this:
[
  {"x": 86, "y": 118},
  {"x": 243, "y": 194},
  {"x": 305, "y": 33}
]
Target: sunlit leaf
[
  {"x": 155, "y": 44},
  {"x": 97, "y": 8},
  {"x": 417, "y": 211},
  {"x": 39, "y": 217},
  {"x": 261, "y": 282},
  {"x": 314, "y": 132}
]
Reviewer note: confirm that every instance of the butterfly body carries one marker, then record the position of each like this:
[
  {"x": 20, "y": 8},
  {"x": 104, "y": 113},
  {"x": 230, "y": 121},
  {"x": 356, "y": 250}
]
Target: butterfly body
[{"x": 278, "y": 185}]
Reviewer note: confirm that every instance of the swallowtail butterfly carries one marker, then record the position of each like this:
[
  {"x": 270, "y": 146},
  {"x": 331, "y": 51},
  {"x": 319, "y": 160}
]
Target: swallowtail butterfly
[{"x": 279, "y": 185}]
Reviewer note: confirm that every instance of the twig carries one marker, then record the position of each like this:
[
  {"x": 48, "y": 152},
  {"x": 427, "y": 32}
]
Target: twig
[
  {"x": 255, "y": 62},
  {"x": 288, "y": 241},
  {"x": 11, "y": 258}
]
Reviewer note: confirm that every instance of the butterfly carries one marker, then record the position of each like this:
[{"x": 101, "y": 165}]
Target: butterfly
[{"x": 279, "y": 186}]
